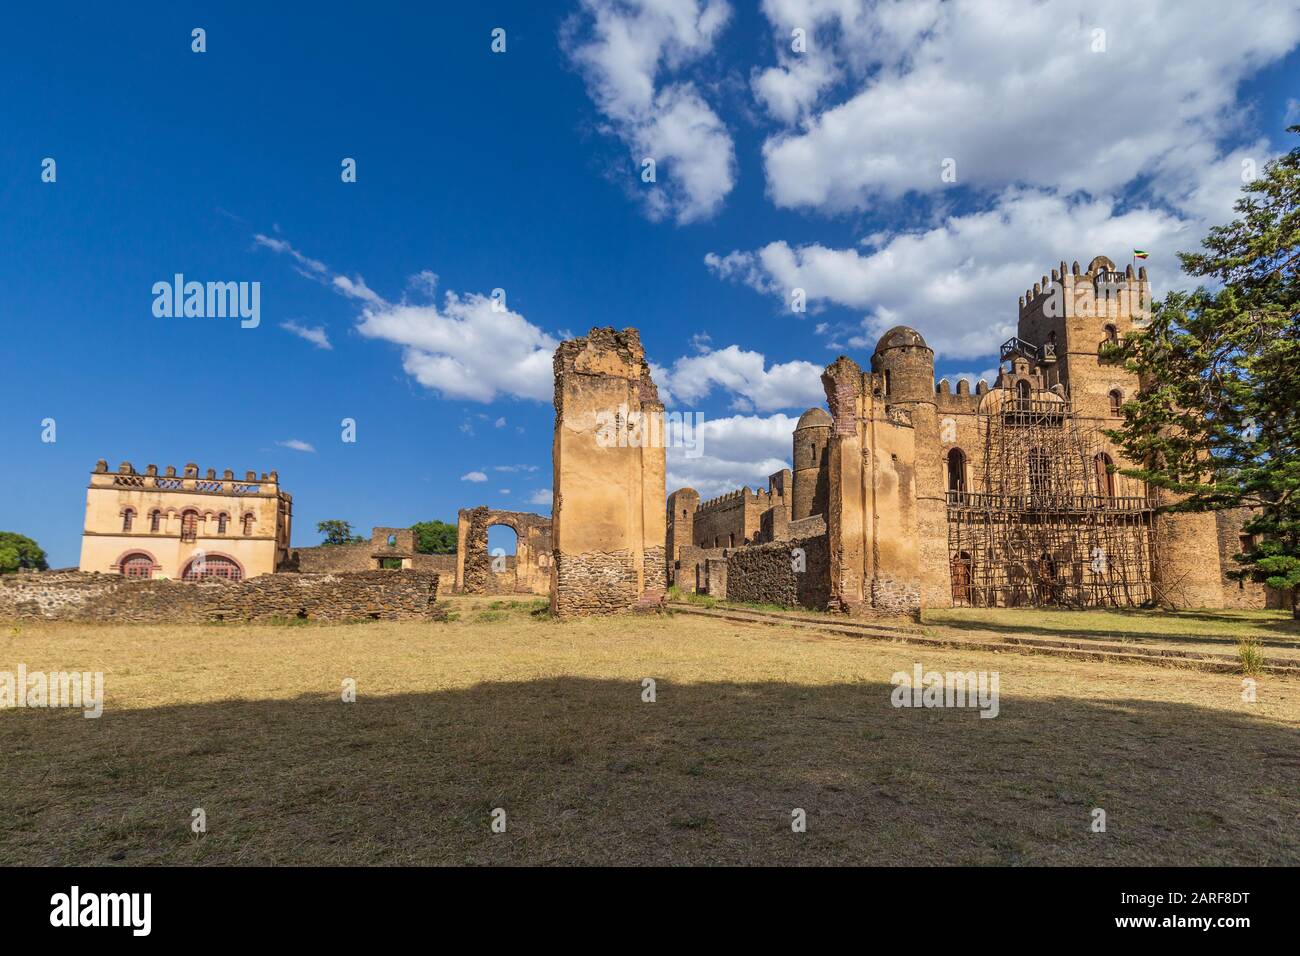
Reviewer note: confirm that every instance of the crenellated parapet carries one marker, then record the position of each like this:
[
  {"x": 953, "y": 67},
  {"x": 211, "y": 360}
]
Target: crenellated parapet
[
  {"x": 189, "y": 479},
  {"x": 1101, "y": 291},
  {"x": 961, "y": 399}
]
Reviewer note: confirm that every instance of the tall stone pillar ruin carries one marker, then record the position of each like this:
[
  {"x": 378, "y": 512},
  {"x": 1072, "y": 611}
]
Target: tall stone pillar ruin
[
  {"x": 609, "y": 514},
  {"x": 871, "y": 516}
]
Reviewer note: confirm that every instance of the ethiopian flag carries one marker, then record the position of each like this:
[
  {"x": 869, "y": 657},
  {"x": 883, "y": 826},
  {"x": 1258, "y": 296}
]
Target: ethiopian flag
[{"x": 1139, "y": 254}]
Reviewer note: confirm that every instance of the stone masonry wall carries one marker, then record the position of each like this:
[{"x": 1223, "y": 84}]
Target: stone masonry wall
[
  {"x": 109, "y": 598},
  {"x": 597, "y": 583},
  {"x": 767, "y": 574},
  {"x": 357, "y": 557}
]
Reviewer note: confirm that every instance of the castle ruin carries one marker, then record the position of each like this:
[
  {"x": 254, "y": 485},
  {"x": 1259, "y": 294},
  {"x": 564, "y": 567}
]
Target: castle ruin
[{"x": 1003, "y": 496}]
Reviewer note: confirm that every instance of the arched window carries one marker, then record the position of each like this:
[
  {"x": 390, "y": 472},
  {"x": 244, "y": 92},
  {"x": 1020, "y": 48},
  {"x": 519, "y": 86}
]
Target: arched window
[
  {"x": 136, "y": 566},
  {"x": 189, "y": 524},
  {"x": 956, "y": 472},
  {"x": 155, "y": 520},
  {"x": 248, "y": 523},
  {"x": 1022, "y": 394},
  {"x": 1105, "y": 477},
  {"x": 212, "y": 566},
  {"x": 222, "y": 520},
  {"x": 128, "y": 518},
  {"x": 1116, "y": 402},
  {"x": 1112, "y": 333}
]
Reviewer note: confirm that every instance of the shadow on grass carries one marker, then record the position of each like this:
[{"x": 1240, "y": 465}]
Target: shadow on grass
[{"x": 709, "y": 773}]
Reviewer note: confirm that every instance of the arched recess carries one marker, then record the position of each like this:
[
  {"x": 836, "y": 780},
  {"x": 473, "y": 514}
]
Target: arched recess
[{"x": 957, "y": 485}]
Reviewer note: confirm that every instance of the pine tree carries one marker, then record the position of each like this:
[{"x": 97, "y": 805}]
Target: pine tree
[{"x": 1217, "y": 421}]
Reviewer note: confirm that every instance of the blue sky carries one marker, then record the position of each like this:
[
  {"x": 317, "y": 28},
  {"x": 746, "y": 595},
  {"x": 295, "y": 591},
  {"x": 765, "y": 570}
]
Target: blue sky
[{"x": 521, "y": 171}]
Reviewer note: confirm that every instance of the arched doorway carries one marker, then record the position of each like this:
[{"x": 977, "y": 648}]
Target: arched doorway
[
  {"x": 503, "y": 552},
  {"x": 961, "y": 579}
]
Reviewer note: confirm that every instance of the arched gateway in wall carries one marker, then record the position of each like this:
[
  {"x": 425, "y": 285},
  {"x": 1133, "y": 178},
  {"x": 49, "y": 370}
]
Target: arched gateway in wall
[{"x": 532, "y": 565}]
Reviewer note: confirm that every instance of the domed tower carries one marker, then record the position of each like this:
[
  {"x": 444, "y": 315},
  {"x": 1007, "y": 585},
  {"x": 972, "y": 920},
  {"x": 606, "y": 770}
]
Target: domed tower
[
  {"x": 906, "y": 366},
  {"x": 811, "y": 436}
]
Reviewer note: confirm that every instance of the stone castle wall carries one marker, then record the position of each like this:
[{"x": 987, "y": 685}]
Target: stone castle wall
[
  {"x": 768, "y": 574},
  {"x": 109, "y": 598}
]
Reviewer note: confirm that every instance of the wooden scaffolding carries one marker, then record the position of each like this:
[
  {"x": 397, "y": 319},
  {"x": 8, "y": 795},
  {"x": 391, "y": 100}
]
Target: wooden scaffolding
[{"x": 1047, "y": 528}]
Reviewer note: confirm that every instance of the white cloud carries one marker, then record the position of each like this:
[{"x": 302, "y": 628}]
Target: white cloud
[
  {"x": 958, "y": 283},
  {"x": 543, "y": 496},
  {"x": 1015, "y": 92},
  {"x": 296, "y": 444},
  {"x": 357, "y": 289},
  {"x": 313, "y": 334},
  {"x": 1067, "y": 153},
  {"x": 753, "y": 385},
  {"x": 467, "y": 348},
  {"x": 625, "y": 51},
  {"x": 736, "y": 451},
  {"x": 312, "y": 266},
  {"x": 473, "y": 476},
  {"x": 503, "y": 491},
  {"x": 513, "y": 468}
]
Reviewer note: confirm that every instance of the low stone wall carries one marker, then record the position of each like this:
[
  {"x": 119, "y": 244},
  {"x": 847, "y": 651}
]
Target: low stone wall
[
  {"x": 770, "y": 573},
  {"x": 109, "y": 598}
]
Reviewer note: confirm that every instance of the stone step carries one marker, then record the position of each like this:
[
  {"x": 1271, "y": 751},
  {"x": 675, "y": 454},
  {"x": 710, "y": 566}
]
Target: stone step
[{"x": 1061, "y": 647}]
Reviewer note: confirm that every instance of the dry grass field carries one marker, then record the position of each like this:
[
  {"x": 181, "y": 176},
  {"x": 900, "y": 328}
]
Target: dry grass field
[{"x": 503, "y": 707}]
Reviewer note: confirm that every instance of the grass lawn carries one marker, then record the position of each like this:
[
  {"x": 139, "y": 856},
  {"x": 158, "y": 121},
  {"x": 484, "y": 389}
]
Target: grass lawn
[{"x": 503, "y": 707}]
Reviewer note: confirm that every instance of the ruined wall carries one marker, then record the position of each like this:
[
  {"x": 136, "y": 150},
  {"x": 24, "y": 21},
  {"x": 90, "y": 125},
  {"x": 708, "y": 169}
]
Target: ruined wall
[
  {"x": 688, "y": 571},
  {"x": 777, "y": 574},
  {"x": 359, "y": 557},
  {"x": 609, "y": 517},
  {"x": 526, "y": 571},
  {"x": 372, "y": 555},
  {"x": 110, "y": 598}
]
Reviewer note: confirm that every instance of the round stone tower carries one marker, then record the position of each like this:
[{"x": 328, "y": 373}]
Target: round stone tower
[
  {"x": 906, "y": 366},
  {"x": 811, "y": 436},
  {"x": 681, "y": 520}
]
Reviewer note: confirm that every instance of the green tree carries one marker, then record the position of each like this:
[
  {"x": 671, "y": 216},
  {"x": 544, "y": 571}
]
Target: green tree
[
  {"x": 1217, "y": 421},
  {"x": 19, "y": 551},
  {"x": 434, "y": 537},
  {"x": 338, "y": 532}
]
